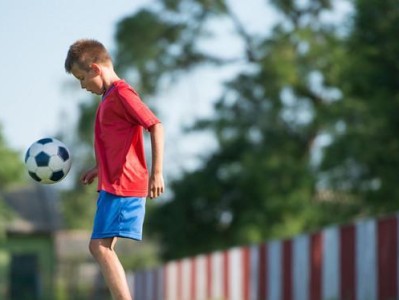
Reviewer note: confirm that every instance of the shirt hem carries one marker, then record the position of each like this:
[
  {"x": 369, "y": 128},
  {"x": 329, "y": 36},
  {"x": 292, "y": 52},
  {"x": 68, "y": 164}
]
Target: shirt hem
[{"x": 124, "y": 193}]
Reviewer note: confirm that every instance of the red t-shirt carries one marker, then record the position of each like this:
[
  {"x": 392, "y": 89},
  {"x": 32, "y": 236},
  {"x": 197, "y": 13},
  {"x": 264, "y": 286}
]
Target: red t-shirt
[{"x": 119, "y": 143}]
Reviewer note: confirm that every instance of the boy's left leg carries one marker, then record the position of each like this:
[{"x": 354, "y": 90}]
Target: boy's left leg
[{"x": 111, "y": 268}]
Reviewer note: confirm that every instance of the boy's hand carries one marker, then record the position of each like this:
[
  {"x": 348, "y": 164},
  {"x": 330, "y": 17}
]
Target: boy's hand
[
  {"x": 89, "y": 176},
  {"x": 156, "y": 186}
]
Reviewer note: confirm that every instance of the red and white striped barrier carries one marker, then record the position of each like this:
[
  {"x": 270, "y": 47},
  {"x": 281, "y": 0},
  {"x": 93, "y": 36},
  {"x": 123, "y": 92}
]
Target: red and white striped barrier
[{"x": 357, "y": 261}]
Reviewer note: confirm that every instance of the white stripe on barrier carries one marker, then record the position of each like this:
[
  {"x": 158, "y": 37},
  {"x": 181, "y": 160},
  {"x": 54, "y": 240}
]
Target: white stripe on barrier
[
  {"x": 186, "y": 278},
  {"x": 366, "y": 260},
  {"x": 235, "y": 261},
  {"x": 244, "y": 267},
  {"x": 331, "y": 264},
  {"x": 171, "y": 281},
  {"x": 300, "y": 267},
  {"x": 201, "y": 277},
  {"x": 274, "y": 267},
  {"x": 217, "y": 275}
]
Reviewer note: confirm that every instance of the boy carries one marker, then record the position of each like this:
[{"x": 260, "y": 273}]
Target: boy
[{"x": 123, "y": 181}]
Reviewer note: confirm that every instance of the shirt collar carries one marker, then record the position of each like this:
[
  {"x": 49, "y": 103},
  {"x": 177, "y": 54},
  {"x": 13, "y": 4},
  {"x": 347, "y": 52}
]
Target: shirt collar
[{"x": 108, "y": 91}]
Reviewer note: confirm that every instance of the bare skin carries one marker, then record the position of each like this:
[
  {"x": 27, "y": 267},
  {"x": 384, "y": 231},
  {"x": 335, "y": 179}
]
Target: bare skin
[{"x": 111, "y": 268}]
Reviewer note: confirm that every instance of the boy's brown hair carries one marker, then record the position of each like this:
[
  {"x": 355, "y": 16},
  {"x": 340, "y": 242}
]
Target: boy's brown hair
[{"x": 85, "y": 52}]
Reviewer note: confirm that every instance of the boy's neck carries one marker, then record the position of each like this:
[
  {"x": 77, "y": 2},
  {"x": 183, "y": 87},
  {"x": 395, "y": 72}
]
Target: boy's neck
[{"x": 109, "y": 77}]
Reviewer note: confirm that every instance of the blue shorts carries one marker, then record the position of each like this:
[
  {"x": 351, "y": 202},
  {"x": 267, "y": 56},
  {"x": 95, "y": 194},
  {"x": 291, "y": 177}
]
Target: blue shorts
[{"x": 118, "y": 216}]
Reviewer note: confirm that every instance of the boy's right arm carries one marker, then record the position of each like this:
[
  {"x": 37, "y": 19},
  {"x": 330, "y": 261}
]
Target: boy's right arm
[{"x": 89, "y": 176}]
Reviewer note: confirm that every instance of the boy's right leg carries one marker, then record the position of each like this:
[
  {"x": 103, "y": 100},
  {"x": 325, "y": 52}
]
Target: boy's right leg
[{"x": 111, "y": 268}]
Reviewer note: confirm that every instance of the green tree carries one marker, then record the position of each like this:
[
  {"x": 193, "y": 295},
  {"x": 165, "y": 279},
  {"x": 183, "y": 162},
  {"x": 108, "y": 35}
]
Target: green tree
[
  {"x": 363, "y": 159},
  {"x": 12, "y": 168},
  {"x": 260, "y": 183},
  {"x": 306, "y": 131},
  {"x": 12, "y": 172},
  {"x": 79, "y": 203}
]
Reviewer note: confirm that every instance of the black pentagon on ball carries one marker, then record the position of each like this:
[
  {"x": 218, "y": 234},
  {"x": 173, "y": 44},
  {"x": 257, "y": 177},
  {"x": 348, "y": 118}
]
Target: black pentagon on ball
[
  {"x": 63, "y": 153},
  {"x": 45, "y": 141},
  {"x": 34, "y": 176},
  {"x": 57, "y": 176},
  {"x": 42, "y": 159}
]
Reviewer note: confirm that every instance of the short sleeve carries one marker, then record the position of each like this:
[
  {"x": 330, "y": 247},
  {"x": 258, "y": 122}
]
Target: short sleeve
[{"x": 136, "y": 110}]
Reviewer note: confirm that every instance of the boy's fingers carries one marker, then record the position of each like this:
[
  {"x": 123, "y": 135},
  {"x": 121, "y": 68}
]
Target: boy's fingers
[{"x": 155, "y": 192}]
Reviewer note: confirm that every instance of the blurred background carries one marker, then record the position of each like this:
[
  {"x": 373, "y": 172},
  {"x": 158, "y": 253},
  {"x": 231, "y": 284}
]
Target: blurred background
[{"x": 280, "y": 119}]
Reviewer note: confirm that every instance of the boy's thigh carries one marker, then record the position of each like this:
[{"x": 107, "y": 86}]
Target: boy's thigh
[{"x": 103, "y": 243}]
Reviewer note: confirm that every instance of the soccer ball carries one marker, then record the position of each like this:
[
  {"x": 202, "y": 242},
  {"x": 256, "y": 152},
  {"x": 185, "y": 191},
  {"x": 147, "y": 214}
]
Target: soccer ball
[{"x": 48, "y": 160}]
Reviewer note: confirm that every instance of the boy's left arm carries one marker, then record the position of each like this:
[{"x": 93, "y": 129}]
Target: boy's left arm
[{"x": 156, "y": 184}]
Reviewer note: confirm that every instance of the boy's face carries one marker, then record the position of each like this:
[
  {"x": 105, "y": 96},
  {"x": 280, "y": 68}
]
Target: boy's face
[{"x": 90, "y": 80}]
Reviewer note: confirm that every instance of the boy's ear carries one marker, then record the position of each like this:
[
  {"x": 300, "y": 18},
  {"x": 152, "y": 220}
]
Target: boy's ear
[{"x": 96, "y": 68}]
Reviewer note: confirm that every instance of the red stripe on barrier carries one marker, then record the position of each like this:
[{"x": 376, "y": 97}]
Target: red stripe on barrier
[
  {"x": 209, "y": 277},
  {"x": 193, "y": 290},
  {"x": 262, "y": 284},
  {"x": 347, "y": 262},
  {"x": 165, "y": 275},
  {"x": 387, "y": 258},
  {"x": 246, "y": 273},
  {"x": 226, "y": 277},
  {"x": 287, "y": 270},
  {"x": 179, "y": 279},
  {"x": 315, "y": 266}
]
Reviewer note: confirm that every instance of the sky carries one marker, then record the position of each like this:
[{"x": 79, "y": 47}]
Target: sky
[
  {"x": 35, "y": 36},
  {"x": 37, "y": 99}
]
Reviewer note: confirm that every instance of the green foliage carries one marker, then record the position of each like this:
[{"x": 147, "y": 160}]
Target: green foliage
[
  {"x": 6, "y": 216},
  {"x": 164, "y": 57},
  {"x": 79, "y": 206},
  {"x": 157, "y": 44},
  {"x": 363, "y": 158},
  {"x": 12, "y": 171},
  {"x": 86, "y": 123},
  {"x": 137, "y": 256},
  {"x": 260, "y": 183},
  {"x": 12, "y": 167},
  {"x": 305, "y": 82},
  {"x": 295, "y": 10},
  {"x": 79, "y": 202}
]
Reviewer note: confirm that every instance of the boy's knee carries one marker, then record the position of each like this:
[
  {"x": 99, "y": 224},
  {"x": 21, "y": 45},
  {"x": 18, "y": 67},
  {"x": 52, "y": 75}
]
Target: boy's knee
[
  {"x": 99, "y": 247},
  {"x": 95, "y": 248}
]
